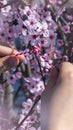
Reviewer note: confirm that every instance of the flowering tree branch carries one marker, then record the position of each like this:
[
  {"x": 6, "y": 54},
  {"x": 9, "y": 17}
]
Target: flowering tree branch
[
  {"x": 41, "y": 35},
  {"x": 40, "y": 69},
  {"x": 29, "y": 113}
]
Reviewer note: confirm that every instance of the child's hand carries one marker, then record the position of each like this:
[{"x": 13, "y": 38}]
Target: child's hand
[{"x": 8, "y": 58}]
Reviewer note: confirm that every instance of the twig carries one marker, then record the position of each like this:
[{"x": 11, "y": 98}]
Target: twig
[{"x": 40, "y": 69}]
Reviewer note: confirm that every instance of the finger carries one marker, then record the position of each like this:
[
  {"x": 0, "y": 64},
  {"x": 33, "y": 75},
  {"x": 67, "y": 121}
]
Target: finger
[
  {"x": 66, "y": 66},
  {"x": 5, "y": 51},
  {"x": 6, "y": 63},
  {"x": 5, "y": 44},
  {"x": 20, "y": 57},
  {"x": 65, "y": 69}
]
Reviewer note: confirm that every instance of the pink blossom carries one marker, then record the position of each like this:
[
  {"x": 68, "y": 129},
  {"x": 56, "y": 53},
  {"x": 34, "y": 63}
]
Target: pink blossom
[
  {"x": 27, "y": 105},
  {"x": 53, "y": 1},
  {"x": 27, "y": 11},
  {"x": 69, "y": 17},
  {"x": 66, "y": 28},
  {"x": 60, "y": 42},
  {"x": 52, "y": 37},
  {"x": 18, "y": 75},
  {"x": 32, "y": 128},
  {"x": 11, "y": 79},
  {"x": 32, "y": 118}
]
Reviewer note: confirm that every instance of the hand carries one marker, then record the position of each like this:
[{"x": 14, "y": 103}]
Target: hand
[
  {"x": 8, "y": 58},
  {"x": 57, "y": 110}
]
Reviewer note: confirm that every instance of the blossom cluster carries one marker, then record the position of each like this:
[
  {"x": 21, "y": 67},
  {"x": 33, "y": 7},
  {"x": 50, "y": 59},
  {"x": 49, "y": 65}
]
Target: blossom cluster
[{"x": 36, "y": 31}]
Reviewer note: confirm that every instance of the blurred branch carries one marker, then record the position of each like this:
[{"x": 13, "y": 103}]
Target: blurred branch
[
  {"x": 63, "y": 36},
  {"x": 68, "y": 3},
  {"x": 13, "y": 2},
  {"x": 28, "y": 69},
  {"x": 65, "y": 2},
  {"x": 9, "y": 3}
]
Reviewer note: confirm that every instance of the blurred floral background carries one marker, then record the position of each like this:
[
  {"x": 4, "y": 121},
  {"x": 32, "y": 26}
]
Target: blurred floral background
[{"x": 43, "y": 32}]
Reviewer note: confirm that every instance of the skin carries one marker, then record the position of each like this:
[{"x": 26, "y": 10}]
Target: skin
[
  {"x": 57, "y": 110},
  {"x": 8, "y": 58}
]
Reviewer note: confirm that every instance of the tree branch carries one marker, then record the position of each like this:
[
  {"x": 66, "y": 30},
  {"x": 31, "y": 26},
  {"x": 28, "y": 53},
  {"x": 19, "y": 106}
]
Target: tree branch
[{"x": 30, "y": 112}]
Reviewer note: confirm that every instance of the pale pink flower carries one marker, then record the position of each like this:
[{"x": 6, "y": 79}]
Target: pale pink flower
[
  {"x": 53, "y": 1},
  {"x": 69, "y": 17},
  {"x": 52, "y": 37},
  {"x": 11, "y": 78},
  {"x": 53, "y": 26},
  {"x": 66, "y": 28},
  {"x": 60, "y": 42},
  {"x": 32, "y": 118},
  {"x": 57, "y": 54},
  {"x": 18, "y": 75},
  {"x": 31, "y": 128},
  {"x": 27, "y": 11},
  {"x": 27, "y": 105}
]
